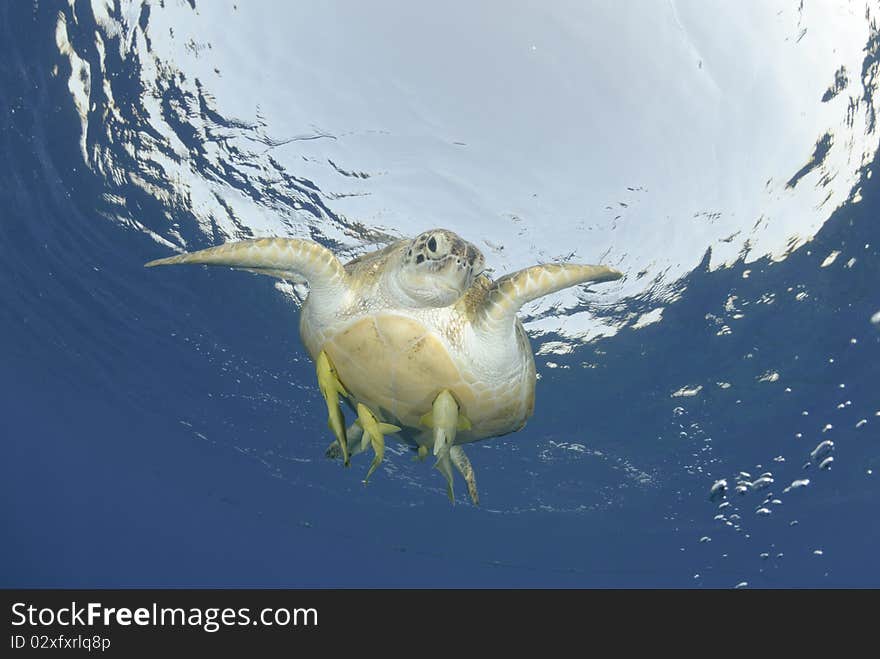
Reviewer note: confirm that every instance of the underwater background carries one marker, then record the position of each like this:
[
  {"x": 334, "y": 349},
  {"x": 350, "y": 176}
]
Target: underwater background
[{"x": 710, "y": 420}]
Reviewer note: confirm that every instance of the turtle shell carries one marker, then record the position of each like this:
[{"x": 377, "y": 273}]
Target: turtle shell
[{"x": 397, "y": 366}]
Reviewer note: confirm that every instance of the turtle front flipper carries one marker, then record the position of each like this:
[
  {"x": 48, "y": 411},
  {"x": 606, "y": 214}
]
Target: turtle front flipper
[
  {"x": 460, "y": 460},
  {"x": 374, "y": 431},
  {"x": 287, "y": 258},
  {"x": 505, "y": 297},
  {"x": 331, "y": 387}
]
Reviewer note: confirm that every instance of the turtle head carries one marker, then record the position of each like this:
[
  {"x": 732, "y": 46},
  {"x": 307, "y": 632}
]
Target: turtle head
[{"x": 437, "y": 267}]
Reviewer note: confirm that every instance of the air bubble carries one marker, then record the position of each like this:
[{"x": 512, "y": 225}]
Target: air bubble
[
  {"x": 823, "y": 449},
  {"x": 761, "y": 483},
  {"x": 719, "y": 489}
]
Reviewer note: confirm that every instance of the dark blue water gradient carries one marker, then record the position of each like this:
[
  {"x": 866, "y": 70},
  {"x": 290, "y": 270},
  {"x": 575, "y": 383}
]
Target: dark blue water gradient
[{"x": 154, "y": 423}]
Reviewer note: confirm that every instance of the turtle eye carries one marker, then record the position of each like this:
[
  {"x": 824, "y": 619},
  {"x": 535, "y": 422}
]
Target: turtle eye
[{"x": 432, "y": 244}]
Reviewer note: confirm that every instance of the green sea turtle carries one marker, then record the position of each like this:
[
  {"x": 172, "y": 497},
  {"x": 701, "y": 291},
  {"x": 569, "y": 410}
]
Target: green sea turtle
[{"x": 415, "y": 336}]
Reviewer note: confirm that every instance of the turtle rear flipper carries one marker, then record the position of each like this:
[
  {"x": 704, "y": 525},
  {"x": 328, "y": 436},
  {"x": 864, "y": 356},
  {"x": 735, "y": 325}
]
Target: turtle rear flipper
[
  {"x": 460, "y": 459},
  {"x": 355, "y": 446}
]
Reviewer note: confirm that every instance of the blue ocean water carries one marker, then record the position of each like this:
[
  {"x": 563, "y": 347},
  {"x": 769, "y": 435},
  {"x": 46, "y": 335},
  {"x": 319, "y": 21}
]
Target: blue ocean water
[{"x": 165, "y": 428}]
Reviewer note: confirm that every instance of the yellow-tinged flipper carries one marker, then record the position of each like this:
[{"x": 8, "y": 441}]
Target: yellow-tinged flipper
[
  {"x": 374, "y": 430},
  {"x": 445, "y": 418},
  {"x": 427, "y": 420},
  {"x": 331, "y": 387}
]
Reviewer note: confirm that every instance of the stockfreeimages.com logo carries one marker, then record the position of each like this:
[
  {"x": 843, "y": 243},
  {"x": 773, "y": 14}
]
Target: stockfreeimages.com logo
[{"x": 209, "y": 619}]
